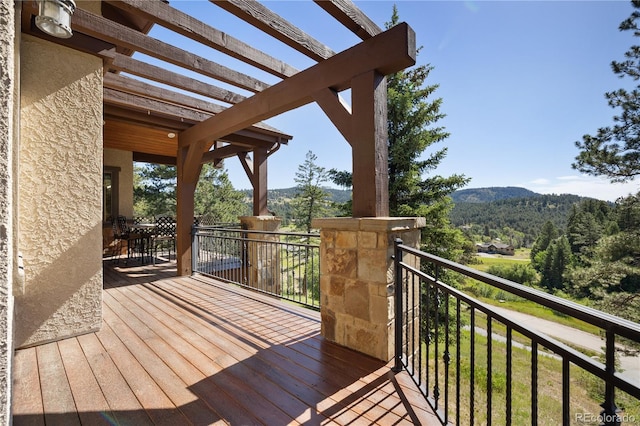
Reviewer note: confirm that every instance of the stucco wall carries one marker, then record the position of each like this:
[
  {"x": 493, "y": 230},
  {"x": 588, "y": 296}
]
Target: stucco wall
[
  {"x": 123, "y": 160},
  {"x": 60, "y": 192},
  {"x": 7, "y": 93}
]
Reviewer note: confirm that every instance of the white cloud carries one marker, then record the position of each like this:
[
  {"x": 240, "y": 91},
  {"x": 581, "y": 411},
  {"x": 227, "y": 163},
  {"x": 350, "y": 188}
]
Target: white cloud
[
  {"x": 585, "y": 186},
  {"x": 541, "y": 181}
]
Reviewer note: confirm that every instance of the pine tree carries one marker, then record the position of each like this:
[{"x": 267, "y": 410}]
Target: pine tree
[
  {"x": 412, "y": 116},
  {"x": 311, "y": 200},
  {"x": 216, "y": 199},
  {"x": 614, "y": 152}
]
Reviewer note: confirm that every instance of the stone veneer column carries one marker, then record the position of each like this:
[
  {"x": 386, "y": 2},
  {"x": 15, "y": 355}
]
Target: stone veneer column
[
  {"x": 264, "y": 261},
  {"x": 356, "y": 280}
]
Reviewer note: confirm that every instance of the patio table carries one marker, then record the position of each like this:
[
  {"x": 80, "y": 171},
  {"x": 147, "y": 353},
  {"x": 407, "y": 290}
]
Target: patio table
[{"x": 146, "y": 231}]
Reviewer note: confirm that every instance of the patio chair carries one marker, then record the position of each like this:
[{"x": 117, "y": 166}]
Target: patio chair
[
  {"x": 164, "y": 235},
  {"x": 122, "y": 233}
]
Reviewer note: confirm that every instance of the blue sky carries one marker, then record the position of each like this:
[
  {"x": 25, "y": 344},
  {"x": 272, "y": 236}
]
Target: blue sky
[{"x": 520, "y": 83}]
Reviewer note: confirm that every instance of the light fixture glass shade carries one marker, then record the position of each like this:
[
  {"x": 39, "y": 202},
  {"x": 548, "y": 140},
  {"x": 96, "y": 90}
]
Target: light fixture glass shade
[{"x": 54, "y": 17}]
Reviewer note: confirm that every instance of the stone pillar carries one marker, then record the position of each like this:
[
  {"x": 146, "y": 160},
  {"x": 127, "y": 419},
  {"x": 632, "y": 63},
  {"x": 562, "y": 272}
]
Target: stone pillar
[
  {"x": 356, "y": 280},
  {"x": 263, "y": 272}
]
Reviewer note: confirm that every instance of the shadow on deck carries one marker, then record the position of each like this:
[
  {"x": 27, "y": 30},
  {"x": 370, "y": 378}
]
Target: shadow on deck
[{"x": 191, "y": 350}]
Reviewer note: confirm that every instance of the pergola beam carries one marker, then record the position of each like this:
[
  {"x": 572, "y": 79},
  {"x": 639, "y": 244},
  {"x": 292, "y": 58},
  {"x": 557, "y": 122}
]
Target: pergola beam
[
  {"x": 347, "y": 13},
  {"x": 120, "y": 35},
  {"x": 188, "y": 26},
  {"x": 273, "y": 24},
  {"x": 119, "y": 62},
  {"x": 388, "y": 52}
]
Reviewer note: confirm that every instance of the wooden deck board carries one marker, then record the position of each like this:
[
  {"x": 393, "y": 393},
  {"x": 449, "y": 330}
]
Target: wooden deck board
[{"x": 191, "y": 350}]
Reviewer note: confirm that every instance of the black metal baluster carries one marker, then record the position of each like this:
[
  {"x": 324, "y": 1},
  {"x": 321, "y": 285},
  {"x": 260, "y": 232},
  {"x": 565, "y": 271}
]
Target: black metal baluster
[
  {"x": 472, "y": 369},
  {"x": 566, "y": 416},
  {"x": 427, "y": 330},
  {"x": 509, "y": 376},
  {"x": 398, "y": 306},
  {"x": 458, "y": 361},
  {"x": 446, "y": 358},
  {"x": 610, "y": 411},
  {"x": 415, "y": 288},
  {"x": 436, "y": 378},
  {"x": 534, "y": 383},
  {"x": 489, "y": 381}
]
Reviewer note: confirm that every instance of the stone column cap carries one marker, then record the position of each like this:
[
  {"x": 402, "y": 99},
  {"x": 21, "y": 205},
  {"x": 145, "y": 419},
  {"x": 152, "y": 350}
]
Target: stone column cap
[{"x": 391, "y": 224}]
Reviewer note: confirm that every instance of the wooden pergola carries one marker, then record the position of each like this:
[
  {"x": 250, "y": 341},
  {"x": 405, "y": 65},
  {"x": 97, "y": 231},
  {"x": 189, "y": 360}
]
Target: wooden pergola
[{"x": 167, "y": 126}]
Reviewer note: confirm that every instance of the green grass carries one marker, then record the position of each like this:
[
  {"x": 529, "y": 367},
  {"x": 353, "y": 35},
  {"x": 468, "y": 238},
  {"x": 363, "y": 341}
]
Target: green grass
[{"x": 485, "y": 263}]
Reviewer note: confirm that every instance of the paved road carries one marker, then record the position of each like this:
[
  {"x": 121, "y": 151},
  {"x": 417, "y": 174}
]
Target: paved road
[{"x": 630, "y": 364}]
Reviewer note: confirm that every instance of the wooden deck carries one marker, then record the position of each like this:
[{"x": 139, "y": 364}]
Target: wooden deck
[{"x": 191, "y": 350}]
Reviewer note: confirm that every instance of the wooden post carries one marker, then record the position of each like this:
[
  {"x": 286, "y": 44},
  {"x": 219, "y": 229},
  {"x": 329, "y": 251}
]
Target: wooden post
[
  {"x": 369, "y": 145},
  {"x": 186, "y": 188},
  {"x": 259, "y": 182}
]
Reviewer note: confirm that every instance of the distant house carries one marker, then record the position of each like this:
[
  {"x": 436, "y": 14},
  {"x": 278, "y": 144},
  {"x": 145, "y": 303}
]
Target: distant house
[{"x": 495, "y": 248}]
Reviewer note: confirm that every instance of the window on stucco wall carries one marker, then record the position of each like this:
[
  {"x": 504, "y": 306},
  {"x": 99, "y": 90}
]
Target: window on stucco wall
[{"x": 110, "y": 193}]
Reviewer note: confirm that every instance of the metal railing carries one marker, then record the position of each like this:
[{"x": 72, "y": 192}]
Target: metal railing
[
  {"x": 282, "y": 264},
  {"x": 472, "y": 363}
]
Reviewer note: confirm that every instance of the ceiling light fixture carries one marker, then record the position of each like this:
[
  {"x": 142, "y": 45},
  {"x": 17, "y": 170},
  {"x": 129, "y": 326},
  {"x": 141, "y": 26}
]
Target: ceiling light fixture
[
  {"x": 171, "y": 135},
  {"x": 54, "y": 17}
]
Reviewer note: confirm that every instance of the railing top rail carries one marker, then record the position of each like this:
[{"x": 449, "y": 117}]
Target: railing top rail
[
  {"x": 619, "y": 326},
  {"x": 250, "y": 231}
]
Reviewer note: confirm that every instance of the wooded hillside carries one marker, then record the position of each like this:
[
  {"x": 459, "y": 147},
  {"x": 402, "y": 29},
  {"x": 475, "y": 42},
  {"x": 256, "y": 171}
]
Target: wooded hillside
[{"x": 505, "y": 211}]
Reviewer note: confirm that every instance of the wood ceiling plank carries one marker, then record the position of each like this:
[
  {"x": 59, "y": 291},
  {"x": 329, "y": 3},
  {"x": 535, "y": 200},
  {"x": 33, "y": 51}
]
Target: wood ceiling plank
[
  {"x": 199, "y": 31},
  {"x": 129, "y": 137},
  {"x": 273, "y": 24},
  {"x": 349, "y": 15},
  {"x": 96, "y": 26}
]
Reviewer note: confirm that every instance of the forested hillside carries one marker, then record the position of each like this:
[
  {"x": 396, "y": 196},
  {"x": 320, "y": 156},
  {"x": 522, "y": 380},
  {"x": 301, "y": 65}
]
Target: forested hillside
[
  {"x": 279, "y": 200},
  {"x": 485, "y": 195},
  {"x": 516, "y": 220},
  {"x": 515, "y": 215}
]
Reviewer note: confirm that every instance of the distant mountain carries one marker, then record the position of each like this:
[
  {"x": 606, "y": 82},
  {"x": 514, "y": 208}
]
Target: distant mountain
[
  {"x": 517, "y": 209},
  {"x": 486, "y": 195}
]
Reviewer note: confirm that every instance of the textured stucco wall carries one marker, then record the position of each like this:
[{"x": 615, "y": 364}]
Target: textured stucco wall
[
  {"x": 60, "y": 192},
  {"x": 124, "y": 160},
  {"x": 7, "y": 93}
]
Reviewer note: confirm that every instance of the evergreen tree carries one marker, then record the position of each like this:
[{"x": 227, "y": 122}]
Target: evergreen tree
[
  {"x": 155, "y": 193},
  {"x": 154, "y": 190},
  {"x": 412, "y": 115},
  {"x": 538, "y": 252},
  {"x": 344, "y": 179},
  {"x": 216, "y": 199},
  {"x": 311, "y": 200},
  {"x": 614, "y": 151}
]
